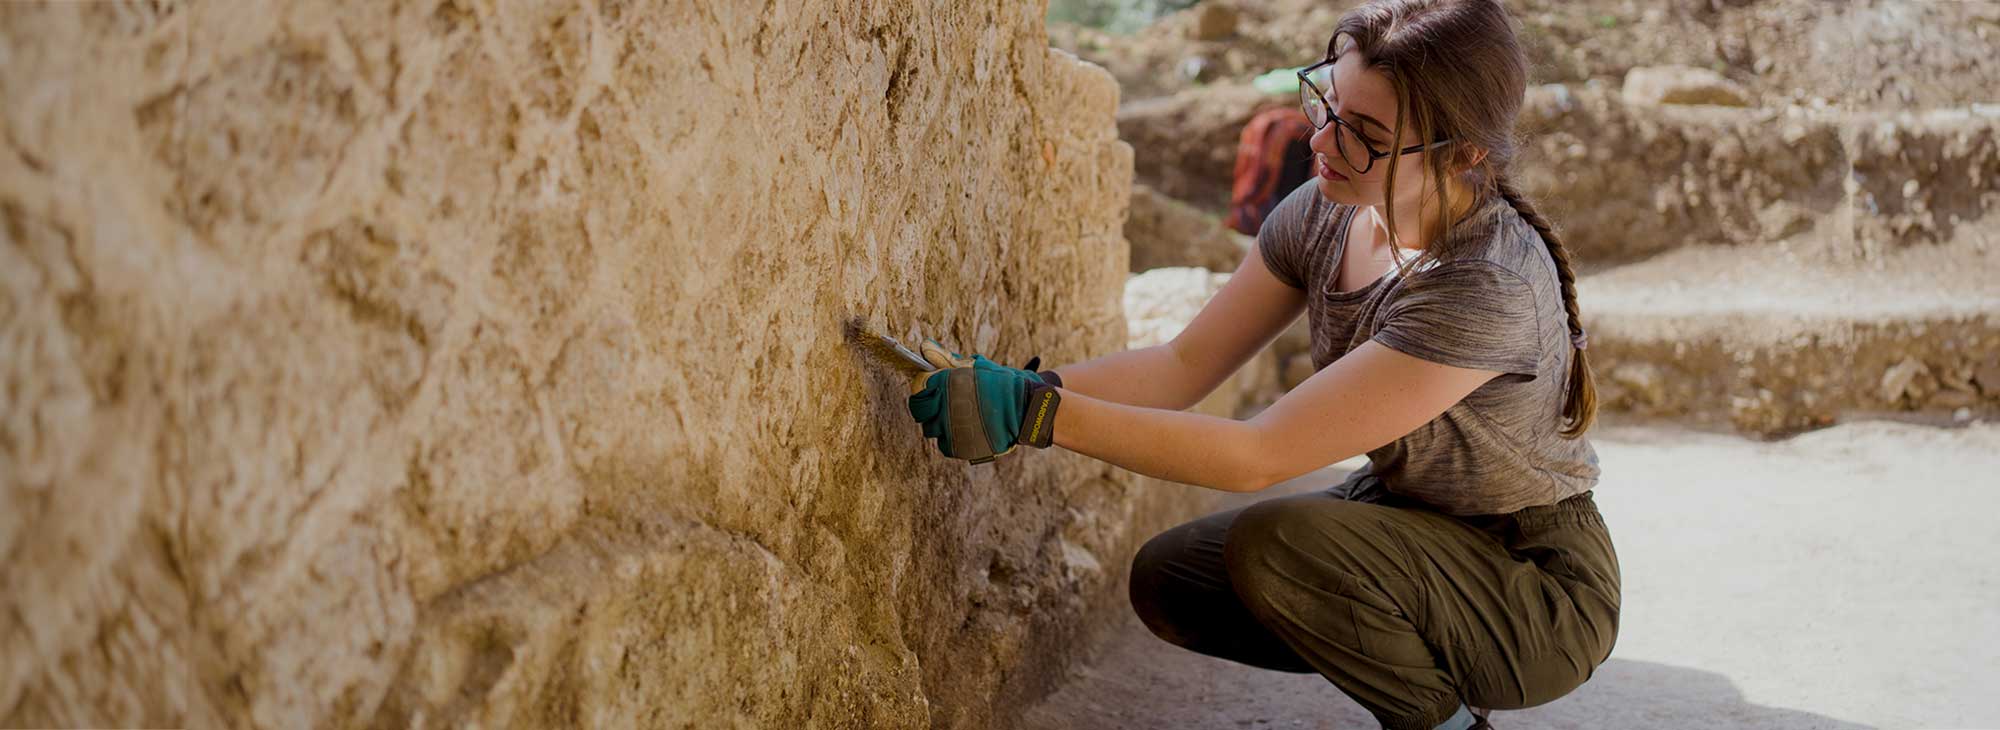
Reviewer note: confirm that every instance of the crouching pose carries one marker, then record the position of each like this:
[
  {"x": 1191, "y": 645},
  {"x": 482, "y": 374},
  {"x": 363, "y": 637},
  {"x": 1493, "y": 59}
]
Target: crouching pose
[{"x": 1466, "y": 567}]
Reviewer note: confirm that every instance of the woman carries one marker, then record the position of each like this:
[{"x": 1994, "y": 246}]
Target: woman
[{"x": 1466, "y": 565}]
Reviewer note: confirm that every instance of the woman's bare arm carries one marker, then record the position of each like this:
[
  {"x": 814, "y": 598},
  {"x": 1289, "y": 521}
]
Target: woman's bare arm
[{"x": 1148, "y": 377}]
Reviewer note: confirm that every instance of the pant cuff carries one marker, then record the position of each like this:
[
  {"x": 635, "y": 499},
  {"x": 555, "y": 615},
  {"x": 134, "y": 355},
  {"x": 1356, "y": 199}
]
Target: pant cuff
[{"x": 1426, "y": 721}]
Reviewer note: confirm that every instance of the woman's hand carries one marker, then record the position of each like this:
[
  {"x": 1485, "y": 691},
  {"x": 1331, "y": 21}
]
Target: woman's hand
[{"x": 978, "y": 411}]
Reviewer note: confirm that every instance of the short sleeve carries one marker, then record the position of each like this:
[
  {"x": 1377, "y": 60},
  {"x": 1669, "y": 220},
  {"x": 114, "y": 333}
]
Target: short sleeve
[
  {"x": 1286, "y": 233},
  {"x": 1471, "y": 314}
]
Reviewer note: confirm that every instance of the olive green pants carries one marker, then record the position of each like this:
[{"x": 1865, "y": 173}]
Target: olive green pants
[{"x": 1408, "y": 611}]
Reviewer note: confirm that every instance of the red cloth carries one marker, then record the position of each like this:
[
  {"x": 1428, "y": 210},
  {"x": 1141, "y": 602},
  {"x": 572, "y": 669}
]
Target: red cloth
[{"x": 1260, "y": 165}]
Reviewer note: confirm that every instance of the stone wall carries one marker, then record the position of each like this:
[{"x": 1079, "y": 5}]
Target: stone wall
[
  {"x": 431, "y": 364},
  {"x": 1628, "y": 180},
  {"x": 1165, "y": 232}
]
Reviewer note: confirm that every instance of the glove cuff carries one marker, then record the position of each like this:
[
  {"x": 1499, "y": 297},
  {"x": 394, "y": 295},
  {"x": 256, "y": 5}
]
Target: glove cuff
[
  {"x": 1050, "y": 377},
  {"x": 1038, "y": 421}
]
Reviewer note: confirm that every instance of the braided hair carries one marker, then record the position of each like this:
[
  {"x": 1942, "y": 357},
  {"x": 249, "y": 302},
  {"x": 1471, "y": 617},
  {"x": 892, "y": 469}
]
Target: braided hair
[{"x": 1459, "y": 73}]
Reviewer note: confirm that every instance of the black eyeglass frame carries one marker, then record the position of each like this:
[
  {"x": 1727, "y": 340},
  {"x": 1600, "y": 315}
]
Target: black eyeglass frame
[{"x": 1373, "y": 154}]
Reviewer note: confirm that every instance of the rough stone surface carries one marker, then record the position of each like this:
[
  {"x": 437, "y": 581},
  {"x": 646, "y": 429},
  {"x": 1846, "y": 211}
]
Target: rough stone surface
[
  {"x": 1854, "y": 104},
  {"x": 1214, "y": 21},
  {"x": 1682, "y": 85},
  {"x": 1625, "y": 181},
  {"x": 443, "y": 364},
  {"x": 1167, "y": 232},
  {"x": 1771, "y": 341},
  {"x": 1849, "y": 55},
  {"x": 1161, "y": 302},
  {"x": 1186, "y": 143},
  {"x": 1861, "y": 154}
]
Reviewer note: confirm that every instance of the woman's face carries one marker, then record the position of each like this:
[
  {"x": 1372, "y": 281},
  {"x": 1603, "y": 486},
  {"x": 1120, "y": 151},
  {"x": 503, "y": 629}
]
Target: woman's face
[{"x": 1363, "y": 97}]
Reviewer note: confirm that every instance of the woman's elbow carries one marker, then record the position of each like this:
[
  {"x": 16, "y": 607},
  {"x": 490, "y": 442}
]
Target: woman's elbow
[
  {"x": 1261, "y": 478},
  {"x": 1250, "y": 486}
]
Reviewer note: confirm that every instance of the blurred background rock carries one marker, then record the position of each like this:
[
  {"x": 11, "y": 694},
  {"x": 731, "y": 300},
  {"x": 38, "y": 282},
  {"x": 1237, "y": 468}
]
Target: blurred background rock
[{"x": 1783, "y": 209}]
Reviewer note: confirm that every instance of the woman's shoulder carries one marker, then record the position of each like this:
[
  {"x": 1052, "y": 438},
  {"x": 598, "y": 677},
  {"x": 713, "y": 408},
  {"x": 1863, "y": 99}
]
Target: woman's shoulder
[
  {"x": 1495, "y": 238},
  {"x": 1293, "y": 234},
  {"x": 1304, "y": 206}
]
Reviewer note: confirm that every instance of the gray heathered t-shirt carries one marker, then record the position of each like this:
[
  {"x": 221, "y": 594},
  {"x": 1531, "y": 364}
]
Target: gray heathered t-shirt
[{"x": 1499, "y": 307}]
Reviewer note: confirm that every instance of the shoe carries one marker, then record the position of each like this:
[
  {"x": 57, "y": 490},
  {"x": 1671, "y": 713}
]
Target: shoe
[{"x": 1479, "y": 718}]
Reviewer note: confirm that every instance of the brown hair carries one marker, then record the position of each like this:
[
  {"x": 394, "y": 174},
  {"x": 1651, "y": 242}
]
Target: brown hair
[{"x": 1459, "y": 74}]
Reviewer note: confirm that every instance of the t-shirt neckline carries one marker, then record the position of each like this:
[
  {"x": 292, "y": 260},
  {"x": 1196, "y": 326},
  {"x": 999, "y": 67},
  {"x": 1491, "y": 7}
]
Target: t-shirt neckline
[{"x": 1340, "y": 255}]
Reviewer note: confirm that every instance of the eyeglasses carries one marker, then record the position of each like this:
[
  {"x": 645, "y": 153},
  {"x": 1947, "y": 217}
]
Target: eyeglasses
[{"x": 1356, "y": 150}]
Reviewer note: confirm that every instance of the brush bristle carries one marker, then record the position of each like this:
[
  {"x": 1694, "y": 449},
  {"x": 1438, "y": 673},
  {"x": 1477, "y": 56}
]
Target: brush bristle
[{"x": 876, "y": 344}]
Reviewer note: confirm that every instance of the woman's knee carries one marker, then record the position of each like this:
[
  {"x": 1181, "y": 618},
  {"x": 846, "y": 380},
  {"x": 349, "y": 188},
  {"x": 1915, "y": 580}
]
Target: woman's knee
[
  {"x": 1273, "y": 533},
  {"x": 1149, "y": 581},
  {"x": 1255, "y": 551},
  {"x": 1518, "y": 683},
  {"x": 1146, "y": 566},
  {"x": 1297, "y": 558}
]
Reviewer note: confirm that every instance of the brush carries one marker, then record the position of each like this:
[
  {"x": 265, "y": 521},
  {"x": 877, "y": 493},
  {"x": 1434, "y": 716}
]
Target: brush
[{"x": 885, "y": 349}]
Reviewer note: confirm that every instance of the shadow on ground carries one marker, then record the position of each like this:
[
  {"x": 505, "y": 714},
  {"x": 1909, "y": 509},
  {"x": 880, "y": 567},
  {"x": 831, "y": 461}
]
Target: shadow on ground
[
  {"x": 1636, "y": 694},
  {"x": 1135, "y": 680}
]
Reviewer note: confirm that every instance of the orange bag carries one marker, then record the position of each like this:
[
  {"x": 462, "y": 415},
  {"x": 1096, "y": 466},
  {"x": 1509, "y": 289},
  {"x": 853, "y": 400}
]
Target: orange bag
[{"x": 1272, "y": 159}]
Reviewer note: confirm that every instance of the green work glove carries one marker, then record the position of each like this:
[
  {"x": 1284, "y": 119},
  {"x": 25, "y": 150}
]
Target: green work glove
[{"x": 981, "y": 411}]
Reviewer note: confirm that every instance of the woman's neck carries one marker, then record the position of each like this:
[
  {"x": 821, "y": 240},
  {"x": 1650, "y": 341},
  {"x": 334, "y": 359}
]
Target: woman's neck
[{"x": 1417, "y": 228}]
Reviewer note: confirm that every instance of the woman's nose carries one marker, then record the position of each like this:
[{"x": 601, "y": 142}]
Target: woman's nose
[{"x": 1322, "y": 140}]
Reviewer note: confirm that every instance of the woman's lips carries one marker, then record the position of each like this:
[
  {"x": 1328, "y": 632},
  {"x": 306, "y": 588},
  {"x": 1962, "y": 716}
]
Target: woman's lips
[{"x": 1325, "y": 171}]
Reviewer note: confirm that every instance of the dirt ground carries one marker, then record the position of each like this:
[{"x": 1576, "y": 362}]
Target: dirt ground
[{"x": 1840, "y": 579}]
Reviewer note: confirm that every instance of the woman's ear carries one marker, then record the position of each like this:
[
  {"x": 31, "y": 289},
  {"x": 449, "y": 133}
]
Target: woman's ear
[{"x": 1474, "y": 155}]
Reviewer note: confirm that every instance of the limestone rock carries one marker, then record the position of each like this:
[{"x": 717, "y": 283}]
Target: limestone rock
[
  {"x": 1166, "y": 232},
  {"x": 1642, "y": 383},
  {"x": 1783, "y": 219},
  {"x": 1987, "y": 377},
  {"x": 453, "y": 364},
  {"x": 1953, "y": 399},
  {"x": 1185, "y": 144},
  {"x": 1161, "y": 302},
  {"x": 1213, "y": 21},
  {"x": 1634, "y": 180},
  {"x": 1682, "y": 85},
  {"x": 1627, "y": 181},
  {"x": 1908, "y": 377}
]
